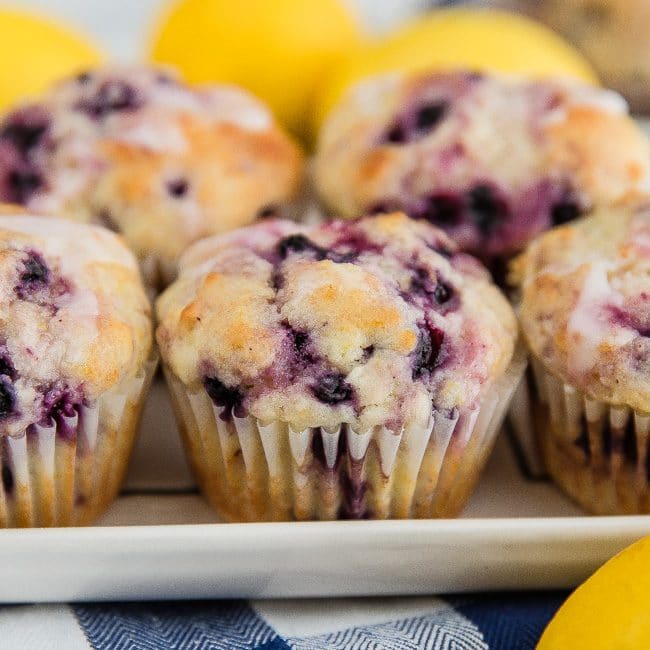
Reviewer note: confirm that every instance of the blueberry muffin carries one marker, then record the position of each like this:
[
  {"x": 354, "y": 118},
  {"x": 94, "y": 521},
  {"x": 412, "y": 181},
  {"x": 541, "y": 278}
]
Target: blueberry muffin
[
  {"x": 75, "y": 348},
  {"x": 139, "y": 152},
  {"x": 585, "y": 314},
  {"x": 491, "y": 160},
  {"x": 613, "y": 34},
  {"x": 346, "y": 370}
]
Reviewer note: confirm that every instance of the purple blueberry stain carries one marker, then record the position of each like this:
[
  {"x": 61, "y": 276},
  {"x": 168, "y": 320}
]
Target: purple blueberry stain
[
  {"x": 24, "y": 136},
  {"x": 444, "y": 208},
  {"x": 60, "y": 403},
  {"x": 416, "y": 124},
  {"x": 564, "y": 211},
  {"x": 178, "y": 188},
  {"x": 7, "y": 397},
  {"x": 332, "y": 389},
  {"x": 424, "y": 285},
  {"x": 487, "y": 208},
  {"x": 429, "y": 115},
  {"x": 350, "y": 245},
  {"x": 21, "y": 184},
  {"x": 298, "y": 244},
  {"x": 111, "y": 97},
  {"x": 226, "y": 397},
  {"x": 426, "y": 356},
  {"x": 35, "y": 269},
  {"x": 34, "y": 276},
  {"x": 25, "y": 128},
  {"x": 7, "y": 368},
  {"x": 7, "y": 479},
  {"x": 300, "y": 344},
  {"x": 443, "y": 292},
  {"x": 354, "y": 490},
  {"x": 21, "y": 134}
]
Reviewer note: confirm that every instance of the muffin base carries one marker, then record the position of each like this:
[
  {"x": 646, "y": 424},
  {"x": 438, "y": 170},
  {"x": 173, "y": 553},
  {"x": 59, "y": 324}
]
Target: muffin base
[
  {"x": 68, "y": 473},
  {"x": 252, "y": 471},
  {"x": 596, "y": 452}
]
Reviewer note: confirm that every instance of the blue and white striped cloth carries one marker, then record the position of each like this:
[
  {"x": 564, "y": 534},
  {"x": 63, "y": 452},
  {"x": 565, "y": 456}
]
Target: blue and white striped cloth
[{"x": 512, "y": 621}]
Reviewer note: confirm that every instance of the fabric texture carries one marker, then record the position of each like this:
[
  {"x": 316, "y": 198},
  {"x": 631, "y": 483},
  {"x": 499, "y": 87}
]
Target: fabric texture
[{"x": 511, "y": 621}]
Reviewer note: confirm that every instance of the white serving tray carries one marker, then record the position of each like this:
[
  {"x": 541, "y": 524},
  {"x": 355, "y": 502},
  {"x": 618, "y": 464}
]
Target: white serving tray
[{"x": 161, "y": 540}]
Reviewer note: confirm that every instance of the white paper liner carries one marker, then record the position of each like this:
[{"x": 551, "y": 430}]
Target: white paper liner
[
  {"x": 250, "y": 471},
  {"x": 595, "y": 451},
  {"x": 68, "y": 472}
]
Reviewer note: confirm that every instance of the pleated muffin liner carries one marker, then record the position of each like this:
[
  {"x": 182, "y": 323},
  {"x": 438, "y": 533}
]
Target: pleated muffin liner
[
  {"x": 67, "y": 472},
  {"x": 595, "y": 451},
  {"x": 252, "y": 471}
]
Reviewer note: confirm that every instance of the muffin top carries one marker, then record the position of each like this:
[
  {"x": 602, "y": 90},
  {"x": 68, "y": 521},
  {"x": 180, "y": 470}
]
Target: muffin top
[
  {"x": 585, "y": 307},
  {"x": 492, "y": 160},
  {"x": 139, "y": 152},
  {"x": 365, "y": 322},
  {"x": 74, "y": 319}
]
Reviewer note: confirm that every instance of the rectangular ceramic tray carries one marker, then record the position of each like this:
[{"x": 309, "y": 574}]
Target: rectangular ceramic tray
[{"x": 160, "y": 540}]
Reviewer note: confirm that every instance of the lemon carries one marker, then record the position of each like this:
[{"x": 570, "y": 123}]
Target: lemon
[
  {"x": 475, "y": 39},
  {"x": 609, "y": 610},
  {"x": 278, "y": 49},
  {"x": 36, "y": 52}
]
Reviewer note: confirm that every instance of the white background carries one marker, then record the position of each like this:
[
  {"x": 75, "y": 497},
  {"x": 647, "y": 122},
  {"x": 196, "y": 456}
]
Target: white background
[{"x": 122, "y": 26}]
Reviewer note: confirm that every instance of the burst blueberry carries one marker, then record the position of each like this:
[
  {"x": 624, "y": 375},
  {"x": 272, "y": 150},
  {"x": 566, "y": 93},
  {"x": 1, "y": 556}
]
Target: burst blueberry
[
  {"x": 112, "y": 96},
  {"x": 430, "y": 115},
  {"x": 35, "y": 269},
  {"x": 487, "y": 208},
  {"x": 444, "y": 208},
  {"x": 332, "y": 388},
  {"x": 298, "y": 244},
  {"x": 426, "y": 355},
  {"x": 178, "y": 187},
  {"x": 7, "y": 367},
  {"x": 225, "y": 396},
  {"x": 22, "y": 184},
  {"x": 7, "y": 397},
  {"x": 564, "y": 212},
  {"x": 23, "y": 136}
]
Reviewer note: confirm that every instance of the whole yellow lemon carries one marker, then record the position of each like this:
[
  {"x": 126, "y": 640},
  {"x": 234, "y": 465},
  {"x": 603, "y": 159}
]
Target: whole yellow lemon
[
  {"x": 37, "y": 51},
  {"x": 475, "y": 39},
  {"x": 278, "y": 49},
  {"x": 609, "y": 610}
]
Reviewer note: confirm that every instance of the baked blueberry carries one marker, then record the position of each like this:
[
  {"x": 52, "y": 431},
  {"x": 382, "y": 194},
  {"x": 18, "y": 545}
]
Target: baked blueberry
[
  {"x": 144, "y": 149},
  {"x": 7, "y": 397},
  {"x": 111, "y": 96},
  {"x": 495, "y": 171},
  {"x": 373, "y": 336},
  {"x": 222, "y": 395},
  {"x": 75, "y": 339},
  {"x": 332, "y": 388}
]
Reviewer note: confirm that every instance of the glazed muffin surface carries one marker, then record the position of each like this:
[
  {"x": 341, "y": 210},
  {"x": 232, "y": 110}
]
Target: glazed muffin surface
[
  {"x": 139, "y": 152},
  {"x": 74, "y": 319},
  {"x": 585, "y": 303},
  {"x": 492, "y": 160},
  {"x": 369, "y": 323}
]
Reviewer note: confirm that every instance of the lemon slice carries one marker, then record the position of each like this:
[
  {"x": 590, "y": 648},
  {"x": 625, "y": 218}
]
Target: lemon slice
[
  {"x": 278, "y": 49},
  {"x": 475, "y": 39},
  {"x": 609, "y": 610},
  {"x": 36, "y": 52}
]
